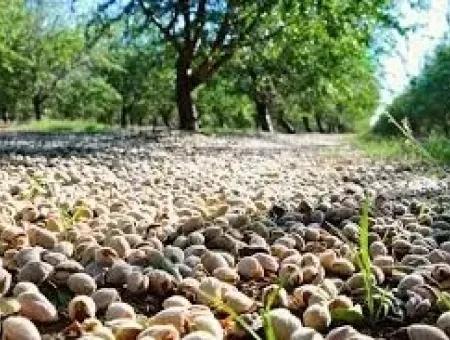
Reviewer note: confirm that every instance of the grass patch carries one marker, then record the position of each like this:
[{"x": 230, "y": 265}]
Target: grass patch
[
  {"x": 438, "y": 147},
  {"x": 363, "y": 259},
  {"x": 61, "y": 126},
  {"x": 226, "y": 131}
]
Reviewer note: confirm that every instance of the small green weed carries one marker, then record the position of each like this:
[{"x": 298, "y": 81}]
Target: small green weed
[
  {"x": 61, "y": 126},
  {"x": 218, "y": 304},
  {"x": 378, "y": 301},
  {"x": 36, "y": 187},
  {"x": 443, "y": 301},
  {"x": 269, "y": 331},
  {"x": 363, "y": 259}
]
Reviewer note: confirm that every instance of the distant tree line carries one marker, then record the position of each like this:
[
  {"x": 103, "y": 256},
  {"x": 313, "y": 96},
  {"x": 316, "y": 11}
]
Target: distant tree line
[{"x": 424, "y": 107}]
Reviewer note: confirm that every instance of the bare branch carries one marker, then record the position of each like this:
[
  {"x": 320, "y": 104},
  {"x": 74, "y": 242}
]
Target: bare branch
[
  {"x": 184, "y": 4},
  {"x": 199, "y": 22},
  {"x": 165, "y": 30},
  {"x": 209, "y": 66},
  {"x": 104, "y": 24}
]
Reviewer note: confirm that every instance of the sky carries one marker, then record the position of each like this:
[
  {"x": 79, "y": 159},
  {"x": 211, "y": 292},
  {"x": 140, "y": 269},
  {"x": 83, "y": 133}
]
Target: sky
[{"x": 409, "y": 52}]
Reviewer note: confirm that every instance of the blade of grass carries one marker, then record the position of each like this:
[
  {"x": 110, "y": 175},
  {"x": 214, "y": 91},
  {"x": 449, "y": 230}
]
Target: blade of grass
[
  {"x": 265, "y": 313},
  {"x": 269, "y": 331},
  {"x": 443, "y": 301},
  {"x": 364, "y": 261},
  {"x": 407, "y": 133}
]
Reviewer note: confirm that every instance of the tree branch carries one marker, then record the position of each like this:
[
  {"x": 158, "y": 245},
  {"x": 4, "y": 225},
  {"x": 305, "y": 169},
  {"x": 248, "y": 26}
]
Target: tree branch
[
  {"x": 165, "y": 30},
  {"x": 184, "y": 4},
  {"x": 203, "y": 69},
  {"x": 224, "y": 29},
  {"x": 105, "y": 25},
  {"x": 199, "y": 22},
  {"x": 208, "y": 68}
]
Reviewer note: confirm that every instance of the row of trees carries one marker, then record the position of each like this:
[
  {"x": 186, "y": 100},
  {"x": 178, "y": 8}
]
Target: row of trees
[
  {"x": 424, "y": 107},
  {"x": 210, "y": 63}
]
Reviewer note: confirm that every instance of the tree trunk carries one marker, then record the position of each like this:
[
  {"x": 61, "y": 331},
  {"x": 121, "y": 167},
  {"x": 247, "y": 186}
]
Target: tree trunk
[
  {"x": 319, "y": 123},
  {"x": 286, "y": 125},
  {"x": 341, "y": 127},
  {"x": 446, "y": 126},
  {"x": 221, "y": 120},
  {"x": 4, "y": 114},
  {"x": 305, "y": 120},
  {"x": 263, "y": 118},
  {"x": 165, "y": 115},
  {"x": 38, "y": 100},
  {"x": 154, "y": 123},
  {"x": 186, "y": 108},
  {"x": 331, "y": 125},
  {"x": 124, "y": 116}
]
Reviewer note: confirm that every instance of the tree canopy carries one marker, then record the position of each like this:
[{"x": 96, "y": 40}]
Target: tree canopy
[{"x": 279, "y": 64}]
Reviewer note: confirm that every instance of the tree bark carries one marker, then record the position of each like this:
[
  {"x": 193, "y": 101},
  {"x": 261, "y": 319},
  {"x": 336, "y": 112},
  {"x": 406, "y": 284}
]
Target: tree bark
[
  {"x": 124, "y": 116},
  {"x": 305, "y": 120},
  {"x": 186, "y": 108},
  {"x": 340, "y": 126},
  {"x": 4, "y": 114},
  {"x": 166, "y": 115},
  {"x": 286, "y": 125},
  {"x": 319, "y": 123},
  {"x": 446, "y": 127},
  {"x": 263, "y": 119},
  {"x": 331, "y": 125},
  {"x": 221, "y": 120},
  {"x": 166, "y": 121},
  {"x": 38, "y": 100}
]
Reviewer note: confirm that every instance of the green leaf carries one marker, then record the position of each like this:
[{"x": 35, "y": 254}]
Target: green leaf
[
  {"x": 443, "y": 302},
  {"x": 81, "y": 214},
  {"x": 352, "y": 315},
  {"x": 363, "y": 259},
  {"x": 268, "y": 326}
]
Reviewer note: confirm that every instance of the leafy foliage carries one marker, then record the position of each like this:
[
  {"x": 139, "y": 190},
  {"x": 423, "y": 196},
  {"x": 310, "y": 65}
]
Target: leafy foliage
[
  {"x": 220, "y": 67},
  {"x": 443, "y": 302},
  {"x": 364, "y": 262},
  {"x": 351, "y": 316},
  {"x": 424, "y": 106}
]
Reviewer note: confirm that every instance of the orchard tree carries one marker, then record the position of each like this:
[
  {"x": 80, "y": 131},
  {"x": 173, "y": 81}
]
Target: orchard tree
[
  {"x": 320, "y": 41},
  {"x": 424, "y": 107},
  {"x": 15, "y": 62},
  {"x": 204, "y": 34},
  {"x": 36, "y": 52},
  {"x": 54, "y": 55},
  {"x": 84, "y": 95},
  {"x": 135, "y": 63}
]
